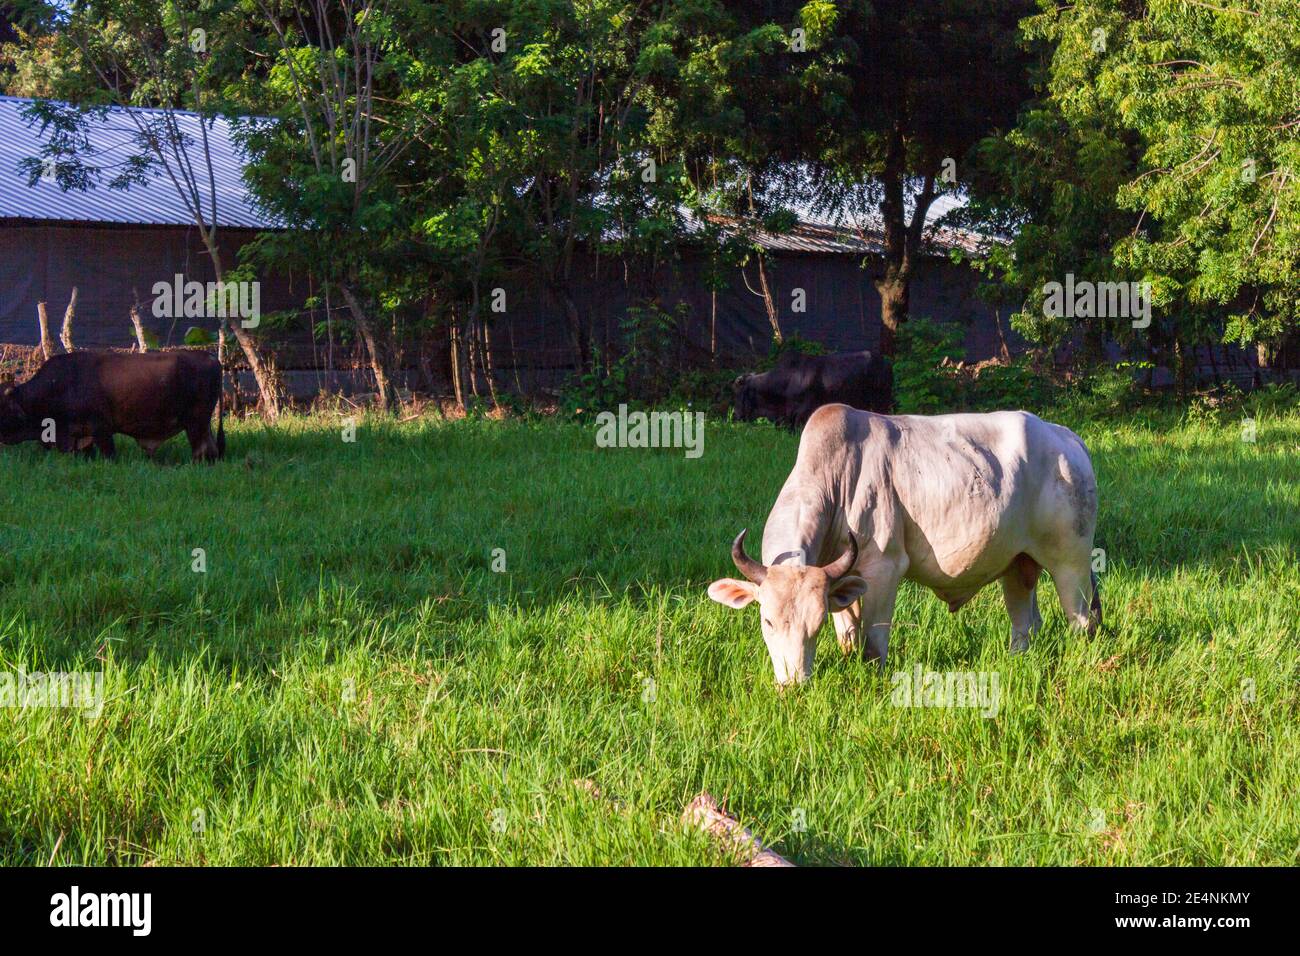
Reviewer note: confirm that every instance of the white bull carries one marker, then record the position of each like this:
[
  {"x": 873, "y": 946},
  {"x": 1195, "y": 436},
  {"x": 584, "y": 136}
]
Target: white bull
[{"x": 953, "y": 502}]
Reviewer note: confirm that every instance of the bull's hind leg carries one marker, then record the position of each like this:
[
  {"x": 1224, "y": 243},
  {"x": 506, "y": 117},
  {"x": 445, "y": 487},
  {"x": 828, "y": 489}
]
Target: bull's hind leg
[
  {"x": 1020, "y": 591},
  {"x": 203, "y": 447},
  {"x": 1076, "y": 587},
  {"x": 104, "y": 442}
]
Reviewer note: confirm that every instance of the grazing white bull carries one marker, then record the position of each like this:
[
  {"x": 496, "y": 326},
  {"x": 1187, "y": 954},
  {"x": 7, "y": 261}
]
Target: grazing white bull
[{"x": 952, "y": 502}]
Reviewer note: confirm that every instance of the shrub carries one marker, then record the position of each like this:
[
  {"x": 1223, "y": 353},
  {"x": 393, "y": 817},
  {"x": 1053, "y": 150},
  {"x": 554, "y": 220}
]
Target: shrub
[
  {"x": 925, "y": 382},
  {"x": 791, "y": 343},
  {"x": 650, "y": 370}
]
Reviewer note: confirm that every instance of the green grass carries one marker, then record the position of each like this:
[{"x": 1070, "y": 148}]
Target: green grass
[{"x": 350, "y": 682}]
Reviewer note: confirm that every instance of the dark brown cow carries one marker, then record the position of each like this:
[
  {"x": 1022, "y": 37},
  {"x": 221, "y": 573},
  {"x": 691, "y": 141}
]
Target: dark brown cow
[
  {"x": 80, "y": 400},
  {"x": 800, "y": 384}
]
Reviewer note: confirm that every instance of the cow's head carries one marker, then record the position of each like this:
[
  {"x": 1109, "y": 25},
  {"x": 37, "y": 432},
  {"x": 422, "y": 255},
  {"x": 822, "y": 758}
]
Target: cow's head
[
  {"x": 793, "y": 601},
  {"x": 14, "y": 424},
  {"x": 743, "y": 397}
]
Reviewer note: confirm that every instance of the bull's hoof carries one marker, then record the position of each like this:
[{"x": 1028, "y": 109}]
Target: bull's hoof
[{"x": 1019, "y": 644}]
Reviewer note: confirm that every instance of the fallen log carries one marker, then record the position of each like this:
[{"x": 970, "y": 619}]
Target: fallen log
[{"x": 704, "y": 812}]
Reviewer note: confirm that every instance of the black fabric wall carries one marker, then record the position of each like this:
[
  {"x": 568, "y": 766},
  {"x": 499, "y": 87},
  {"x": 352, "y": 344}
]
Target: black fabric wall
[
  {"x": 842, "y": 309},
  {"x": 108, "y": 266}
]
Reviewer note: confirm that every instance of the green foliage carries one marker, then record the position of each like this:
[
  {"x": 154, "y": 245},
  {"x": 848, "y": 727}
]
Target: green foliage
[
  {"x": 923, "y": 385},
  {"x": 651, "y": 369},
  {"x": 1111, "y": 390},
  {"x": 930, "y": 377},
  {"x": 1274, "y": 400},
  {"x": 790, "y": 343},
  {"x": 195, "y": 335},
  {"x": 1162, "y": 149},
  {"x": 646, "y": 370},
  {"x": 1018, "y": 385}
]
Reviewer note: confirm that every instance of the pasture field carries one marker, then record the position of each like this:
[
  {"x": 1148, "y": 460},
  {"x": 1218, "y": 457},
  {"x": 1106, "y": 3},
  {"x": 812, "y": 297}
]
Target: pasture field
[{"x": 351, "y": 682}]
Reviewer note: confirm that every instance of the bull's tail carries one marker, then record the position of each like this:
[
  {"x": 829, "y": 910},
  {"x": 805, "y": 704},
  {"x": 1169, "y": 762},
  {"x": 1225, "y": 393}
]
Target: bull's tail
[
  {"x": 1096, "y": 602},
  {"x": 221, "y": 413}
]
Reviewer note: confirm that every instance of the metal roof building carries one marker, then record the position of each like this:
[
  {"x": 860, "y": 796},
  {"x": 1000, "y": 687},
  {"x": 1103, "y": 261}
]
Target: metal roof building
[
  {"x": 112, "y": 140},
  {"x": 114, "y": 245}
]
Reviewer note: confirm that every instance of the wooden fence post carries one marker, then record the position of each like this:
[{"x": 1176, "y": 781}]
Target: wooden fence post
[
  {"x": 47, "y": 345},
  {"x": 65, "y": 336},
  {"x": 139, "y": 328}
]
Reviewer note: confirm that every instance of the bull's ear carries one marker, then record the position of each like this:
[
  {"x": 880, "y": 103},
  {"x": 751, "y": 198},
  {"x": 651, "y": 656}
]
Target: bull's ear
[
  {"x": 733, "y": 593},
  {"x": 847, "y": 590}
]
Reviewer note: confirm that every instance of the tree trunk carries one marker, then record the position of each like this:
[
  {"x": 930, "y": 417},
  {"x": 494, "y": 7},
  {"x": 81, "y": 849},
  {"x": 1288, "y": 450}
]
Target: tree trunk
[
  {"x": 1004, "y": 352},
  {"x": 895, "y": 293},
  {"x": 268, "y": 384},
  {"x": 769, "y": 303},
  {"x": 453, "y": 329},
  {"x": 713, "y": 326},
  {"x": 471, "y": 355},
  {"x": 488, "y": 371},
  {"x": 388, "y": 400},
  {"x": 578, "y": 336},
  {"x": 1182, "y": 368},
  {"x": 1258, "y": 374}
]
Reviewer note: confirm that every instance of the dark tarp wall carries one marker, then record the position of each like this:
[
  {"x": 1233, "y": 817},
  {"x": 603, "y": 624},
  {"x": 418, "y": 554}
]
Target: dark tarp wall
[
  {"x": 530, "y": 340},
  {"x": 108, "y": 265},
  {"x": 841, "y": 309}
]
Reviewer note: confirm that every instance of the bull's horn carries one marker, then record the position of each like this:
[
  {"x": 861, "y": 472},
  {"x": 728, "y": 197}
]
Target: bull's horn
[
  {"x": 844, "y": 563},
  {"x": 751, "y": 569}
]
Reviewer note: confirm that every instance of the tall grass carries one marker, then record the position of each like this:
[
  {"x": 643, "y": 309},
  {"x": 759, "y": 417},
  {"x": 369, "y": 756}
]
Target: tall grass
[{"x": 351, "y": 682}]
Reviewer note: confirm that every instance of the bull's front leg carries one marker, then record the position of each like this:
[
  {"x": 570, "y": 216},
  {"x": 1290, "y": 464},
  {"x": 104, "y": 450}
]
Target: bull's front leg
[
  {"x": 848, "y": 623},
  {"x": 883, "y": 579}
]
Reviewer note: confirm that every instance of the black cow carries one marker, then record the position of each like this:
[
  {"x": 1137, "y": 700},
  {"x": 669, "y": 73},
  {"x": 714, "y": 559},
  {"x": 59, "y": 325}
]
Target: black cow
[
  {"x": 800, "y": 384},
  {"x": 80, "y": 400}
]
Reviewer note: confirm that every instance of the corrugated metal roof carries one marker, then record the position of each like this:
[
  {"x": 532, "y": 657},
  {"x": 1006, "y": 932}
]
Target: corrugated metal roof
[
  {"x": 112, "y": 140},
  {"x": 868, "y": 239}
]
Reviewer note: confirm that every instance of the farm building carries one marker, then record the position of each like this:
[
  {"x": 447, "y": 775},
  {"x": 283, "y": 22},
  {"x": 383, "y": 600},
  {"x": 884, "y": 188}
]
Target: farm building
[{"x": 114, "y": 246}]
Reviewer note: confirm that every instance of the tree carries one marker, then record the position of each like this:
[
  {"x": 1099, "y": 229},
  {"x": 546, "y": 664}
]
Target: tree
[
  {"x": 863, "y": 112},
  {"x": 570, "y": 87},
  {"x": 1213, "y": 93},
  {"x": 904, "y": 91},
  {"x": 1044, "y": 195},
  {"x": 1163, "y": 148},
  {"x": 134, "y": 53},
  {"x": 343, "y": 91}
]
